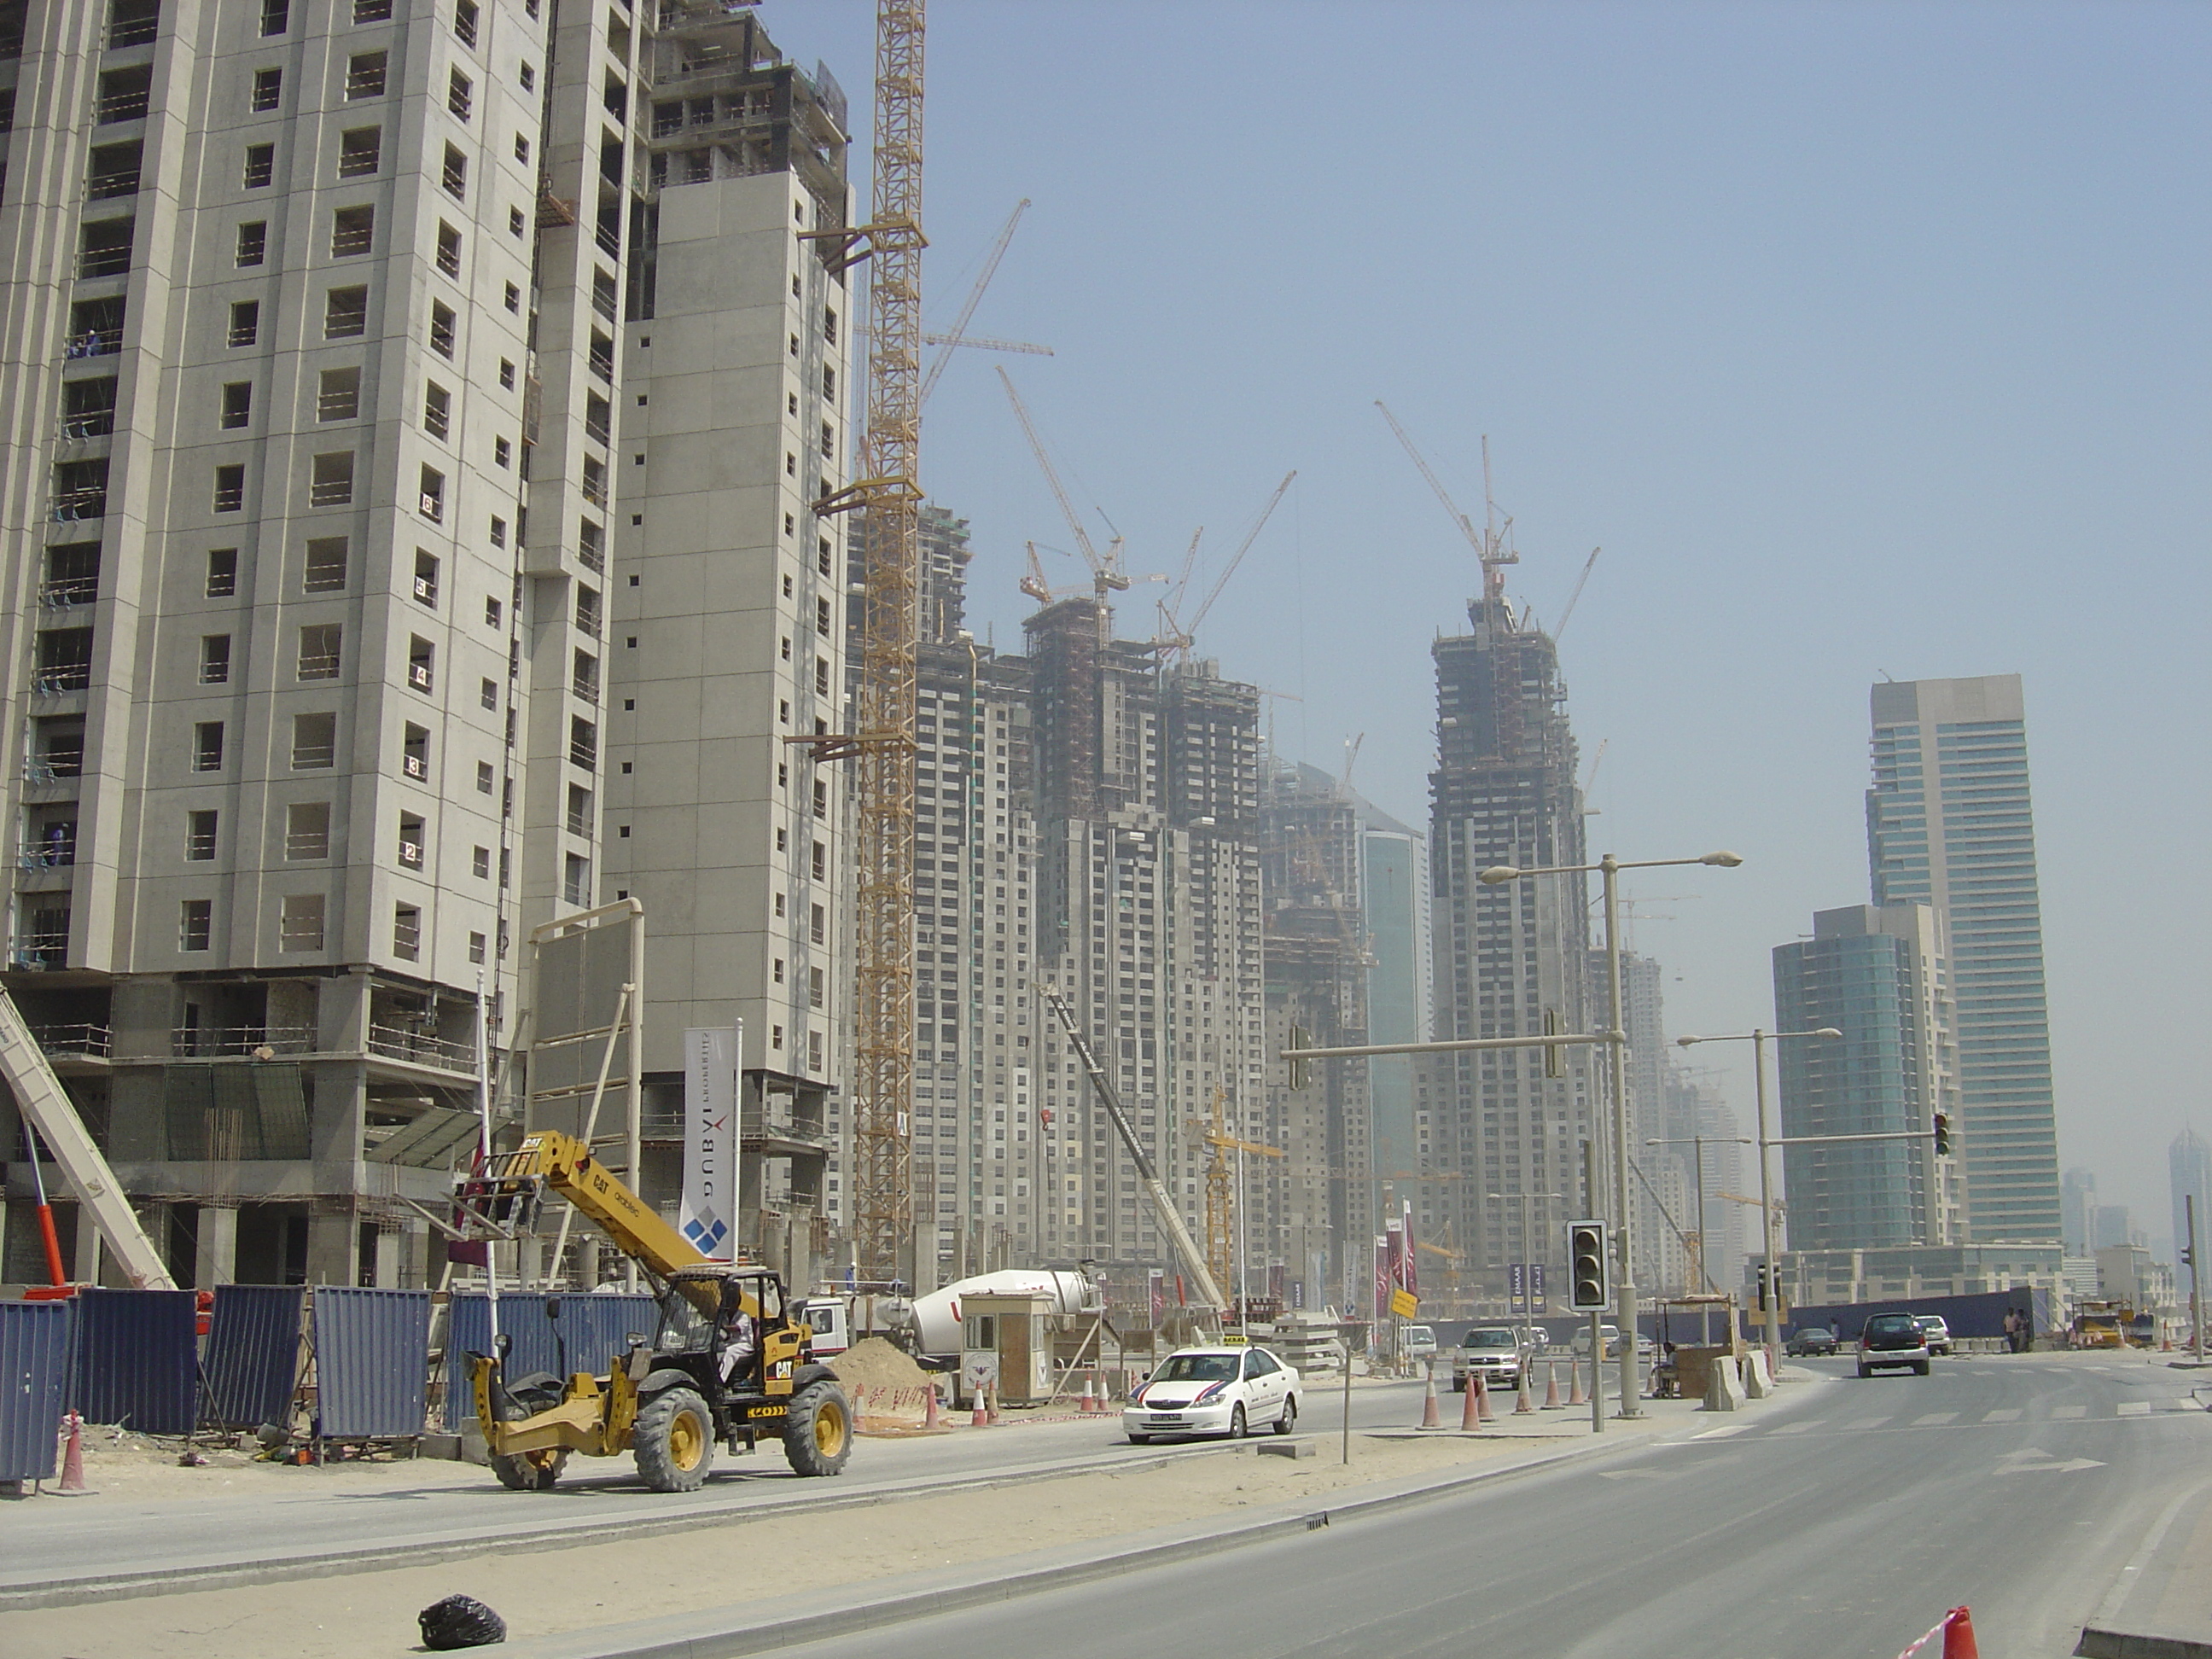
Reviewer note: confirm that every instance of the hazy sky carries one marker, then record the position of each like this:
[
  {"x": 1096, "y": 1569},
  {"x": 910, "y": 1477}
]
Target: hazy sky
[{"x": 1863, "y": 338}]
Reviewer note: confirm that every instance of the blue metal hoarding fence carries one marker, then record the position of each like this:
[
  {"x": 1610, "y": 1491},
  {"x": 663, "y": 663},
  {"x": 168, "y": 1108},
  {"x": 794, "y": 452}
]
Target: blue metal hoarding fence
[
  {"x": 594, "y": 1329},
  {"x": 252, "y": 1365},
  {"x": 35, "y": 1340},
  {"x": 371, "y": 1361},
  {"x": 138, "y": 1359}
]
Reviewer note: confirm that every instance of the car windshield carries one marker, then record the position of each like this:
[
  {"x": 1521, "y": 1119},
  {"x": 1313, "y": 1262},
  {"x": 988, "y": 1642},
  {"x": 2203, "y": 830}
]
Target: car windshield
[
  {"x": 1197, "y": 1368},
  {"x": 1816, "y": 1333},
  {"x": 1887, "y": 1323},
  {"x": 1488, "y": 1339}
]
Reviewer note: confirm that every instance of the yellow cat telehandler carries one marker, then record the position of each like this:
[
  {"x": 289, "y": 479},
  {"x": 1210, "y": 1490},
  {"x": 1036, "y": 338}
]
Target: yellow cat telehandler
[{"x": 667, "y": 1401}]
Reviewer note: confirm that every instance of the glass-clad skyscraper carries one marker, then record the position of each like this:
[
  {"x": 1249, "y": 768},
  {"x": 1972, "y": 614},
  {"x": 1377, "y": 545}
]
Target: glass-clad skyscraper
[{"x": 1950, "y": 825}]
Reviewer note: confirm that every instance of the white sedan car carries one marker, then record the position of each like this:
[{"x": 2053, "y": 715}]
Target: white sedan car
[{"x": 1224, "y": 1390}]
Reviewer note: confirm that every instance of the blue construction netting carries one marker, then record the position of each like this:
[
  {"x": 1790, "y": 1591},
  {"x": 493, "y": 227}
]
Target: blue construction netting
[
  {"x": 594, "y": 1327},
  {"x": 372, "y": 1363},
  {"x": 138, "y": 1359},
  {"x": 252, "y": 1365},
  {"x": 35, "y": 1340}
]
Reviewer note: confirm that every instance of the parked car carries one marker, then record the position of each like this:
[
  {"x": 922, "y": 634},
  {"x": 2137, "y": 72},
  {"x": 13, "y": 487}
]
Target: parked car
[
  {"x": 1814, "y": 1338},
  {"x": 1419, "y": 1342},
  {"x": 1222, "y": 1390},
  {"x": 1495, "y": 1352},
  {"x": 1938, "y": 1333},
  {"x": 1610, "y": 1334},
  {"x": 1891, "y": 1339}
]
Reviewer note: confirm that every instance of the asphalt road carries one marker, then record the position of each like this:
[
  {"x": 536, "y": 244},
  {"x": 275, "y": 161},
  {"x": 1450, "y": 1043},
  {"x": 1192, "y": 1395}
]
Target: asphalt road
[
  {"x": 1841, "y": 1521},
  {"x": 286, "y": 1518}
]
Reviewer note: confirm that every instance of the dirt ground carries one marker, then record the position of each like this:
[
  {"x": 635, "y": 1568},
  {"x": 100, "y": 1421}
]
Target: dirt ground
[
  {"x": 142, "y": 1470},
  {"x": 371, "y": 1615}
]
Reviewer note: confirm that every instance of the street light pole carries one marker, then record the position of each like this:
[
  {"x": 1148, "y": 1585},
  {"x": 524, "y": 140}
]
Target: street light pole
[
  {"x": 1769, "y": 1268},
  {"x": 1610, "y": 868}
]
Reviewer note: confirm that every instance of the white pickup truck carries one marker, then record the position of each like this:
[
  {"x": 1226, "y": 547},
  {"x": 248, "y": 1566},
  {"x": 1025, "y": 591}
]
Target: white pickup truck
[{"x": 1496, "y": 1352}]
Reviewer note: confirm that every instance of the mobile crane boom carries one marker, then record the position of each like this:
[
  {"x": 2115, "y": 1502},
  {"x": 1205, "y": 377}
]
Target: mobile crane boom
[{"x": 1162, "y": 1205}]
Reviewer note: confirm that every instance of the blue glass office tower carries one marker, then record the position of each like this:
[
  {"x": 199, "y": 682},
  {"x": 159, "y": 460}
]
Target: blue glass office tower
[
  {"x": 1950, "y": 825},
  {"x": 1877, "y": 976}
]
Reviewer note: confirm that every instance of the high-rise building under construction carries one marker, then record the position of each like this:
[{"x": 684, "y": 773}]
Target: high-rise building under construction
[
  {"x": 1503, "y": 1131},
  {"x": 415, "y": 409}
]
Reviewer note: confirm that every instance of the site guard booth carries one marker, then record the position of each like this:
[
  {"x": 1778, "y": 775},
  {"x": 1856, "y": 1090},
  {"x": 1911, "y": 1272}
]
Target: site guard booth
[{"x": 1006, "y": 1341}]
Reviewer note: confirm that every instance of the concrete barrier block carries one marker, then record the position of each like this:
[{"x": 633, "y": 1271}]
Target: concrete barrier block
[
  {"x": 1292, "y": 1449},
  {"x": 1723, "y": 1387},
  {"x": 1758, "y": 1381}
]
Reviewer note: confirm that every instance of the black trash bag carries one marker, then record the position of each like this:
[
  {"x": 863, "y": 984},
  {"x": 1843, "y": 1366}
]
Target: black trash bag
[{"x": 459, "y": 1621}]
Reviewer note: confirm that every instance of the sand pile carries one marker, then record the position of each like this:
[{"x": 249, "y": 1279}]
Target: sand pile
[{"x": 883, "y": 1382}]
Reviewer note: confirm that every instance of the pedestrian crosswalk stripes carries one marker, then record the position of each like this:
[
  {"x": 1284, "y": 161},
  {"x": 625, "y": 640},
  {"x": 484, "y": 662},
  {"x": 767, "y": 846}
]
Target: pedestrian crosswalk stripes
[{"x": 2004, "y": 1415}]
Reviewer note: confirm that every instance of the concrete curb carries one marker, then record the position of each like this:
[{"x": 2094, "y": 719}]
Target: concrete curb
[
  {"x": 2097, "y": 1644},
  {"x": 2102, "y": 1639},
  {"x": 430, "y": 1548},
  {"x": 726, "y": 1633}
]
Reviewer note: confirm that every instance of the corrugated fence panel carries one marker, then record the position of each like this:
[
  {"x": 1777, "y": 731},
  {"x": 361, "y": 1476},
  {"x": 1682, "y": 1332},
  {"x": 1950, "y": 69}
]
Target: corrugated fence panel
[
  {"x": 594, "y": 1327},
  {"x": 138, "y": 1359},
  {"x": 253, "y": 1360},
  {"x": 35, "y": 1339},
  {"x": 371, "y": 1361}
]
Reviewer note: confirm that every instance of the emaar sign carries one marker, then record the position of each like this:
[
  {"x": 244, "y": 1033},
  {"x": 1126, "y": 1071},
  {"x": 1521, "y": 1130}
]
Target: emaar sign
[{"x": 708, "y": 1217}]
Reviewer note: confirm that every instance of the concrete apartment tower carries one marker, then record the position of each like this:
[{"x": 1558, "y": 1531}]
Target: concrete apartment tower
[
  {"x": 728, "y": 629},
  {"x": 1879, "y": 976},
  {"x": 410, "y": 485},
  {"x": 1950, "y": 824},
  {"x": 304, "y": 609},
  {"x": 1507, "y": 957},
  {"x": 1317, "y": 968}
]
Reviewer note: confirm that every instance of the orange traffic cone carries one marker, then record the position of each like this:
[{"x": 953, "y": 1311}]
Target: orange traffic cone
[
  {"x": 980, "y": 1416},
  {"x": 73, "y": 1458},
  {"x": 1430, "y": 1417},
  {"x": 1482, "y": 1399},
  {"x": 1524, "y": 1404},
  {"x": 1551, "y": 1385},
  {"x": 1575, "y": 1395},
  {"x": 993, "y": 1396},
  {"x": 1959, "y": 1636},
  {"x": 929, "y": 1408},
  {"x": 1470, "y": 1411}
]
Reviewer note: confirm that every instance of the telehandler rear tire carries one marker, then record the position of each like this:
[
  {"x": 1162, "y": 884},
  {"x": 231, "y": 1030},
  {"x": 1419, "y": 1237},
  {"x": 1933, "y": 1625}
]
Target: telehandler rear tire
[
  {"x": 529, "y": 1471},
  {"x": 817, "y": 1433},
  {"x": 673, "y": 1441}
]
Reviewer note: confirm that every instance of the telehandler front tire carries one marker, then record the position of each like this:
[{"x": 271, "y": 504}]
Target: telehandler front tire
[
  {"x": 817, "y": 1433},
  {"x": 673, "y": 1441}
]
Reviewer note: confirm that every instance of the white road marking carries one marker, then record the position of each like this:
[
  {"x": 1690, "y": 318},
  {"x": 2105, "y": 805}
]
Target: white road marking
[
  {"x": 1933, "y": 1418},
  {"x": 1868, "y": 1422},
  {"x": 2070, "y": 1410},
  {"x": 1799, "y": 1428},
  {"x": 1716, "y": 1434},
  {"x": 2006, "y": 1414},
  {"x": 2134, "y": 1408}
]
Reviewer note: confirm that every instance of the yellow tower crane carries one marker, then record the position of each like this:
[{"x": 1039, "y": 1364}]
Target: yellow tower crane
[
  {"x": 1221, "y": 1190},
  {"x": 888, "y": 494}
]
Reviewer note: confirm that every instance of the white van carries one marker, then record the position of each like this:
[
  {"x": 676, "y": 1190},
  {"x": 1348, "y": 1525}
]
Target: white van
[{"x": 1418, "y": 1342}]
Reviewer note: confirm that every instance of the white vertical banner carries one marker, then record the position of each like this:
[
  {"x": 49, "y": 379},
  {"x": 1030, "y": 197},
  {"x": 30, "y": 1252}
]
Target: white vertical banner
[{"x": 709, "y": 1215}]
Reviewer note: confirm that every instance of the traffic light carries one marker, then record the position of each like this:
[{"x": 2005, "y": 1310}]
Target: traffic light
[
  {"x": 1301, "y": 1070},
  {"x": 1765, "y": 1280},
  {"x": 1588, "y": 1290},
  {"x": 1942, "y": 1135},
  {"x": 1555, "y": 1057}
]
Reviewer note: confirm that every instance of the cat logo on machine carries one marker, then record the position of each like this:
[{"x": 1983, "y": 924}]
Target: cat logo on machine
[{"x": 782, "y": 1369}]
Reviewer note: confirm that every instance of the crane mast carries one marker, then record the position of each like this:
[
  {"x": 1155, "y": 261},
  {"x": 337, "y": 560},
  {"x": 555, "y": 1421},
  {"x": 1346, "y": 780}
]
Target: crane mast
[{"x": 1170, "y": 1219}]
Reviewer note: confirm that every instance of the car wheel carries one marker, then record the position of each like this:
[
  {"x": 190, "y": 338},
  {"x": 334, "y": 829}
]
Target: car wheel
[
  {"x": 1238, "y": 1426},
  {"x": 1865, "y": 1372},
  {"x": 1459, "y": 1385},
  {"x": 1289, "y": 1420},
  {"x": 1921, "y": 1369},
  {"x": 1140, "y": 1440}
]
